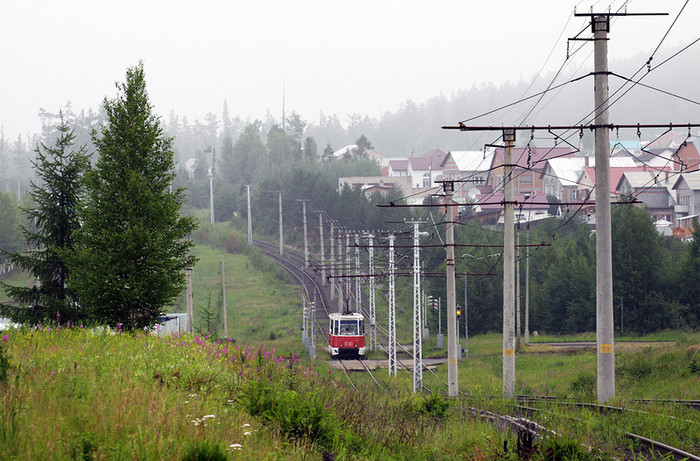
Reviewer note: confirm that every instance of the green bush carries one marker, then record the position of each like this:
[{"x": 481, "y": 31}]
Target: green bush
[
  {"x": 434, "y": 405},
  {"x": 560, "y": 448},
  {"x": 205, "y": 451},
  {"x": 298, "y": 416}
]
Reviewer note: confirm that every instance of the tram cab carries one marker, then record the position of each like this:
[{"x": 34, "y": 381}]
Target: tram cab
[{"x": 346, "y": 334}]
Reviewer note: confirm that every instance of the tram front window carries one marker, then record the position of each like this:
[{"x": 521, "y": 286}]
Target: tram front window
[{"x": 348, "y": 327}]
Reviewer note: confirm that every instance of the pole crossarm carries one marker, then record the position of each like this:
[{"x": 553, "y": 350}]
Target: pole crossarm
[
  {"x": 470, "y": 245},
  {"x": 502, "y": 202},
  {"x": 612, "y": 126}
]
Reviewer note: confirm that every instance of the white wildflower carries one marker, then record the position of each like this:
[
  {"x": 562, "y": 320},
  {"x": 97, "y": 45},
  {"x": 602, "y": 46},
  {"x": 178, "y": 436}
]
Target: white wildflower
[{"x": 236, "y": 446}]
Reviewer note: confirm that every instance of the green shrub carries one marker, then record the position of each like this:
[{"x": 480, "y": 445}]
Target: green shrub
[
  {"x": 434, "y": 405},
  {"x": 298, "y": 416},
  {"x": 560, "y": 448},
  {"x": 205, "y": 451}
]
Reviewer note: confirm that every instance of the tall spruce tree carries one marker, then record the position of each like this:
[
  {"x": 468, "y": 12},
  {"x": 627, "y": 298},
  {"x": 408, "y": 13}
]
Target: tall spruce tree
[
  {"x": 134, "y": 242},
  {"x": 50, "y": 233}
]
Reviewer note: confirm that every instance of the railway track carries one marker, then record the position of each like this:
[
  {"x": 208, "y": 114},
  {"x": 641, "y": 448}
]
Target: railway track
[
  {"x": 646, "y": 446},
  {"x": 293, "y": 262}
]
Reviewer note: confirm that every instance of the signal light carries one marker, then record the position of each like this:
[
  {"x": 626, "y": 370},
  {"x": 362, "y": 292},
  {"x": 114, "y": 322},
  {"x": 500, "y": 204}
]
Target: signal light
[{"x": 459, "y": 312}]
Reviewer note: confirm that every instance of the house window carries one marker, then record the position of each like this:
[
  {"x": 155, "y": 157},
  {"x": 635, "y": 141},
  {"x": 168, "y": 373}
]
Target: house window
[
  {"x": 525, "y": 179},
  {"x": 684, "y": 199},
  {"x": 426, "y": 180}
]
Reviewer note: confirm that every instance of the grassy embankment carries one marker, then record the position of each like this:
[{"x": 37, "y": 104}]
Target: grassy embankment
[{"x": 119, "y": 396}]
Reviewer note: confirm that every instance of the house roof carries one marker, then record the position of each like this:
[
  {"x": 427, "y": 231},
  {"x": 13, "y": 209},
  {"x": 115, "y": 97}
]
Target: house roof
[
  {"x": 670, "y": 140},
  {"x": 398, "y": 164},
  {"x": 425, "y": 163},
  {"x": 691, "y": 179},
  {"x": 643, "y": 179},
  {"x": 567, "y": 170},
  {"x": 535, "y": 157},
  {"x": 345, "y": 150},
  {"x": 615, "y": 174},
  {"x": 471, "y": 160}
]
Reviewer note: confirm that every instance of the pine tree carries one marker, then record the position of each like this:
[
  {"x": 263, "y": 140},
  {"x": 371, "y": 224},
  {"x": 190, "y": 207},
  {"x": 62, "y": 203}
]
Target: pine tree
[
  {"x": 134, "y": 243},
  {"x": 50, "y": 233}
]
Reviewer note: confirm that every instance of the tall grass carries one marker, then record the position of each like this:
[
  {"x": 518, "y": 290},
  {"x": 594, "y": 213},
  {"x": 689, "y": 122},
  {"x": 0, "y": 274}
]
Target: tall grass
[{"x": 74, "y": 393}]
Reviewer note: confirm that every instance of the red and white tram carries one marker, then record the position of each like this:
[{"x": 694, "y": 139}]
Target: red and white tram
[{"x": 346, "y": 334}]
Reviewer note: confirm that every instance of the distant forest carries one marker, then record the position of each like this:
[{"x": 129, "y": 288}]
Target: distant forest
[{"x": 413, "y": 128}]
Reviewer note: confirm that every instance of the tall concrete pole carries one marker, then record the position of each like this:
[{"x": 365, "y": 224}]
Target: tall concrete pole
[
  {"x": 517, "y": 289},
  {"x": 371, "y": 300},
  {"x": 604, "y": 285},
  {"x": 190, "y": 304},
  {"x": 392, "y": 309},
  {"x": 358, "y": 286},
  {"x": 223, "y": 292},
  {"x": 527, "y": 284},
  {"x": 250, "y": 222},
  {"x": 340, "y": 271},
  {"x": 509, "y": 269},
  {"x": 281, "y": 226},
  {"x": 452, "y": 338},
  {"x": 417, "y": 321},
  {"x": 211, "y": 197},
  {"x": 306, "y": 235},
  {"x": 332, "y": 261},
  {"x": 348, "y": 265},
  {"x": 312, "y": 347},
  {"x": 323, "y": 249}
]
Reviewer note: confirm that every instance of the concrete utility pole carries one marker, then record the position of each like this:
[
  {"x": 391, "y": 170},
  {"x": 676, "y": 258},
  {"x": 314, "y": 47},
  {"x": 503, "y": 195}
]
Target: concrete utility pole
[
  {"x": 332, "y": 261},
  {"x": 223, "y": 292},
  {"x": 517, "y": 288},
  {"x": 306, "y": 235},
  {"x": 358, "y": 285},
  {"x": 417, "y": 321},
  {"x": 211, "y": 195},
  {"x": 312, "y": 349},
  {"x": 348, "y": 265},
  {"x": 604, "y": 287},
  {"x": 250, "y": 223},
  {"x": 322, "y": 244},
  {"x": 508, "y": 269},
  {"x": 452, "y": 354},
  {"x": 392, "y": 308},
  {"x": 190, "y": 308},
  {"x": 281, "y": 226},
  {"x": 527, "y": 282},
  {"x": 371, "y": 300},
  {"x": 340, "y": 272}
]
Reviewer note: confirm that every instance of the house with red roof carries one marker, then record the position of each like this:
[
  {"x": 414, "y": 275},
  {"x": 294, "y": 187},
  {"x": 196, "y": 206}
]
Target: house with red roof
[
  {"x": 529, "y": 166},
  {"x": 424, "y": 170}
]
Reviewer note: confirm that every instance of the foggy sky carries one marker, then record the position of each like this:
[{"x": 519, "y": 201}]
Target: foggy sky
[{"x": 334, "y": 57}]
